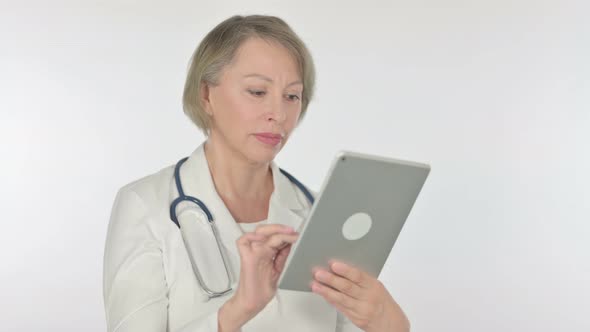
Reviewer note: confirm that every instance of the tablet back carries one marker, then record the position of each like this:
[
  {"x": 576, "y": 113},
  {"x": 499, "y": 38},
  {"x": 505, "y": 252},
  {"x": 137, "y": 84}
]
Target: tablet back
[{"x": 356, "y": 217}]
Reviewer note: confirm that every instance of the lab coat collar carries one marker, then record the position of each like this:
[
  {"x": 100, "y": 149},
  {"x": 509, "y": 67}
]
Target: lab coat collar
[{"x": 285, "y": 206}]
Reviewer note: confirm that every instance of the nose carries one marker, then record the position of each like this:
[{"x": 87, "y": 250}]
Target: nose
[{"x": 277, "y": 110}]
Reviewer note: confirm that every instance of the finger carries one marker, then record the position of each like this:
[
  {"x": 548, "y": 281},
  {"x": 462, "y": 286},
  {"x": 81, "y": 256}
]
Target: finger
[
  {"x": 279, "y": 241},
  {"x": 246, "y": 239},
  {"x": 333, "y": 296},
  {"x": 274, "y": 228},
  {"x": 349, "y": 313},
  {"x": 273, "y": 244},
  {"x": 281, "y": 258},
  {"x": 352, "y": 313},
  {"x": 339, "y": 283},
  {"x": 244, "y": 243},
  {"x": 351, "y": 273}
]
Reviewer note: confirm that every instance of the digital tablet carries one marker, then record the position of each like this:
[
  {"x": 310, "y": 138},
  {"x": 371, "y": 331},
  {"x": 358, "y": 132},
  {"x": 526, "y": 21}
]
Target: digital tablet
[{"x": 357, "y": 216}]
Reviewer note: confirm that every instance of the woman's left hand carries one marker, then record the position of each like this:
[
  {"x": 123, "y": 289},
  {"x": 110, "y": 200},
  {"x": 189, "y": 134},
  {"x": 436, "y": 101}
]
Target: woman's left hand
[{"x": 360, "y": 297}]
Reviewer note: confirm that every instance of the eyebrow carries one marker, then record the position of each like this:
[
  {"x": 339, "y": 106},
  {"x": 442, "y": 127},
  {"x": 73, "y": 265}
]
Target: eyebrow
[{"x": 268, "y": 79}]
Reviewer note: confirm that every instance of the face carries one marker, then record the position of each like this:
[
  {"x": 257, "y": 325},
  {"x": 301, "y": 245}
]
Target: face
[{"x": 256, "y": 104}]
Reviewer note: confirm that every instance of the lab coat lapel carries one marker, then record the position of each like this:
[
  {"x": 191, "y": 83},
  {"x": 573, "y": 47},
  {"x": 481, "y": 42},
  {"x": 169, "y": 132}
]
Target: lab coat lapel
[{"x": 286, "y": 206}]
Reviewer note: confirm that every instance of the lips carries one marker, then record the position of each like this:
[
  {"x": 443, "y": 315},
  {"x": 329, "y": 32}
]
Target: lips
[{"x": 269, "y": 138}]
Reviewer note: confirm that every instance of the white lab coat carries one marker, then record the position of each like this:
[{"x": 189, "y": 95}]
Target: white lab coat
[{"x": 149, "y": 284}]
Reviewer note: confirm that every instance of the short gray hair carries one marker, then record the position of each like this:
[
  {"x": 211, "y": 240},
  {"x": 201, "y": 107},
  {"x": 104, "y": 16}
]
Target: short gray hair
[{"x": 218, "y": 48}]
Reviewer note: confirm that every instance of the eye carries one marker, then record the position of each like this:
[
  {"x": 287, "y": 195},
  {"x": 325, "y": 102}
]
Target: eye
[
  {"x": 257, "y": 93},
  {"x": 293, "y": 97}
]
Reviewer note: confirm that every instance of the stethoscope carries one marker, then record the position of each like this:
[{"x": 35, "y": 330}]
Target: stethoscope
[{"x": 184, "y": 198}]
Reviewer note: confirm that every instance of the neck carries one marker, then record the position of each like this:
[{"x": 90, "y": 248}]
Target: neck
[{"x": 236, "y": 178}]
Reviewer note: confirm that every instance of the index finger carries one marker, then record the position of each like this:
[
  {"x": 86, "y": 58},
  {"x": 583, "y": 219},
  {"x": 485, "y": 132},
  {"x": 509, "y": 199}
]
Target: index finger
[
  {"x": 273, "y": 228},
  {"x": 351, "y": 273}
]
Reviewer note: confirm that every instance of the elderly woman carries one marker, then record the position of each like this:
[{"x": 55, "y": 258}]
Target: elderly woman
[{"x": 249, "y": 84}]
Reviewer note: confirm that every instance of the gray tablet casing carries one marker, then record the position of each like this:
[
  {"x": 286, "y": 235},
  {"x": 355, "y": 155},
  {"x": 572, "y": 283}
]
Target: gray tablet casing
[{"x": 384, "y": 189}]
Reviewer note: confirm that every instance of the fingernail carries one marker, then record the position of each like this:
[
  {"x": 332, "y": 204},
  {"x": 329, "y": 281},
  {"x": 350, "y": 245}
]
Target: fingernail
[
  {"x": 336, "y": 266},
  {"x": 321, "y": 275},
  {"x": 315, "y": 287}
]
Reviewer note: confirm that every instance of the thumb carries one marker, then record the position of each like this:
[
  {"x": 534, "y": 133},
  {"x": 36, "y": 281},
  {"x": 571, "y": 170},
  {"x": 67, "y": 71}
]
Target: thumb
[{"x": 281, "y": 258}]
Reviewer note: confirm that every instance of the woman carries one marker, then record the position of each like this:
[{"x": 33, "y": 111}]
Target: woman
[{"x": 249, "y": 83}]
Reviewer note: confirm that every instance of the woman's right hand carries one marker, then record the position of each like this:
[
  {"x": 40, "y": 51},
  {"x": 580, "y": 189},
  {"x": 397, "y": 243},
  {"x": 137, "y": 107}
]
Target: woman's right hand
[{"x": 263, "y": 254}]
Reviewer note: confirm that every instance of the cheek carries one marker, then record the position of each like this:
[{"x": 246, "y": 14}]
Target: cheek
[
  {"x": 234, "y": 110},
  {"x": 293, "y": 119}
]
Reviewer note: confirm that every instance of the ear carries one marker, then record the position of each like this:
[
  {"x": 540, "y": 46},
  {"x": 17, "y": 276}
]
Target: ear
[{"x": 204, "y": 94}]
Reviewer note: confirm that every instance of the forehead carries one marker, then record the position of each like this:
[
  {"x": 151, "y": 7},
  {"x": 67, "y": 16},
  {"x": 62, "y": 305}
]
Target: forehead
[{"x": 268, "y": 58}]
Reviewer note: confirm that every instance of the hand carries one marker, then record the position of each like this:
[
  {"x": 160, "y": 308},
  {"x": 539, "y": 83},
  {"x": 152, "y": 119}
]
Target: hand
[
  {"x": 263, "y": 254},
  {"x": 360, "y": 297}
]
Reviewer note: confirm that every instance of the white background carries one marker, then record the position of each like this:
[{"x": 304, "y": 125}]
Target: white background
[{"x": 494, "y": 94}]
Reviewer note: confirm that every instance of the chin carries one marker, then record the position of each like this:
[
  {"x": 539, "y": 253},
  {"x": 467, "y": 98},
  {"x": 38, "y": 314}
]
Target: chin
[{"x": 263, "y": 154}]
